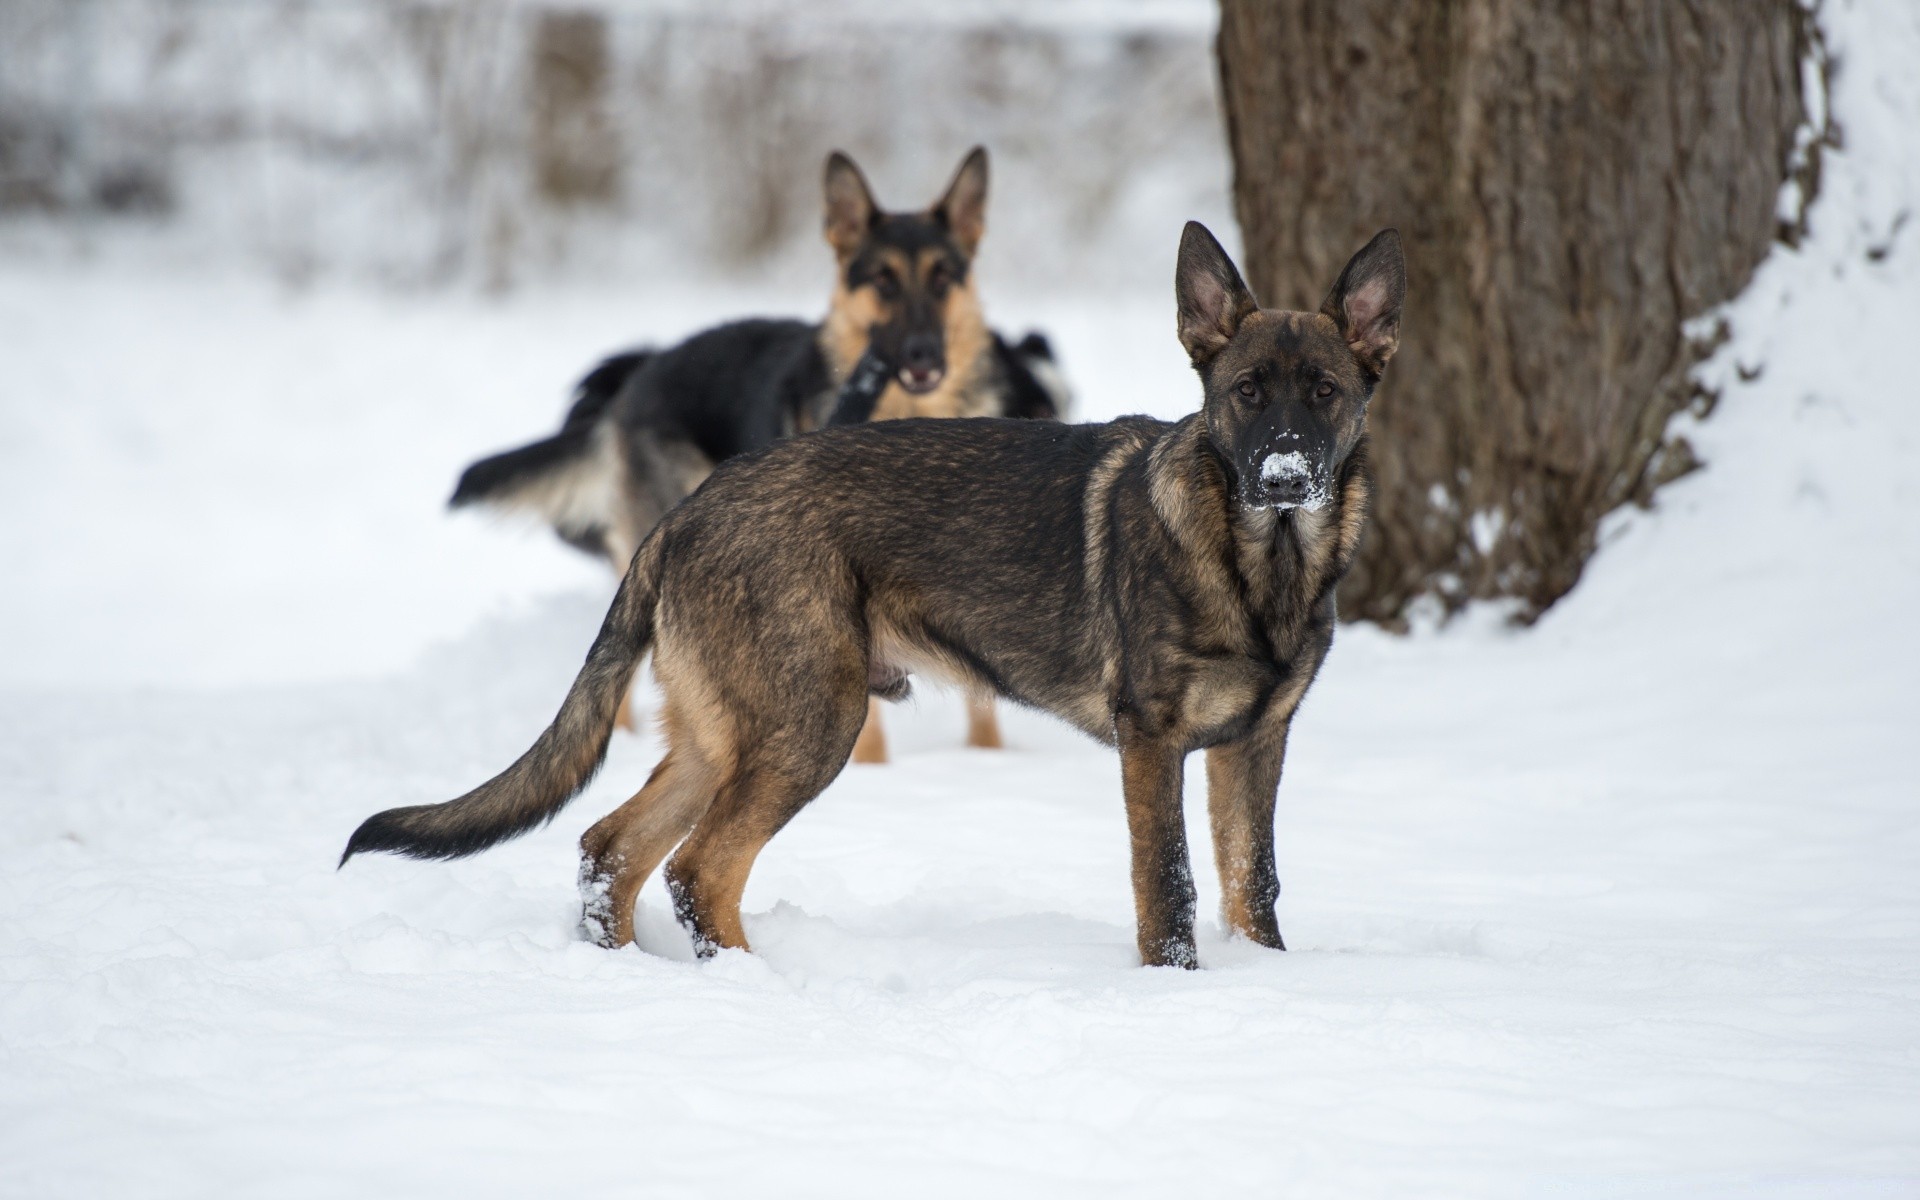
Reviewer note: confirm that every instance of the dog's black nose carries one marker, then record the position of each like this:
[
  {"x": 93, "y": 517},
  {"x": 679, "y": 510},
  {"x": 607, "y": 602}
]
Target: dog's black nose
[
  {"x": 1290, "y": 489},
  {"x": 922, "y": 362},
  {"x": 920, "y": 352}
]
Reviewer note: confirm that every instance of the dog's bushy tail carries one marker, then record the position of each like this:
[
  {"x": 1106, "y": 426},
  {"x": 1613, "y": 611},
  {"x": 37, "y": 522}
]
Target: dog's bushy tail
[
  {"x": 572, "y": 478},
  {"x": 561, "y": 761}
]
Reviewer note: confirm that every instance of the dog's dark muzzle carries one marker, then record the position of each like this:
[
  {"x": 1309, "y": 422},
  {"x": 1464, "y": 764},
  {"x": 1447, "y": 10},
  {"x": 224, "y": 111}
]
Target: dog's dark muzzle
[
  {"x": 1292, "y": 468},
  {"x": 1288, "y": 491},
  {"x": 923, "y": 363}
]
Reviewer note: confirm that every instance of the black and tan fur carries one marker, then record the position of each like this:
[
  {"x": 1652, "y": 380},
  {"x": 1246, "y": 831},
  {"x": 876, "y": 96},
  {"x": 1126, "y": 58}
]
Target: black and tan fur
[
  {"x": 1164, "y": 587},
  {"x": 647, "y": 427}
]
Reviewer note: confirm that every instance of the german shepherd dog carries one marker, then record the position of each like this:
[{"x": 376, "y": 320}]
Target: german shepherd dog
[
  {"x": 1165, "y": 587},
  {"x": 646, "y": 427}
]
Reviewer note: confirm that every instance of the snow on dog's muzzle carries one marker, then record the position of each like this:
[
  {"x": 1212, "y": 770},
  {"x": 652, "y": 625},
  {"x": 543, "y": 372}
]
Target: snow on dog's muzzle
[{"x": 1289, "y": 479}]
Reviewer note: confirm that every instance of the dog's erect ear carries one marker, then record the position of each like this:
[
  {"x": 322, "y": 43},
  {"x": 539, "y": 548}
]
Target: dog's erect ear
[
  {"x": 964, "y": 208},
  {"x": 850, "y": 207},
  {"x": 1212, "y": 299},
  {"x": 1366, "y": 301}
]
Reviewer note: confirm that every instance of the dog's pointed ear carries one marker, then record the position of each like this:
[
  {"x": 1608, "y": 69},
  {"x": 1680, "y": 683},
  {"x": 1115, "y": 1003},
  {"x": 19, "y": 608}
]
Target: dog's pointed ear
[
  {"x": 850, "y": 207},
  {"x": 1365, "y": 302},
  {"x": 964, "y": 207},
  {"x": 1213, "y": 301}
]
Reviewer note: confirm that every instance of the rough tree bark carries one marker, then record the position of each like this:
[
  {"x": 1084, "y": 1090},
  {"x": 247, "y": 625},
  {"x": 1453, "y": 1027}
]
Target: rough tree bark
[{"x": 1573, "y": 181}]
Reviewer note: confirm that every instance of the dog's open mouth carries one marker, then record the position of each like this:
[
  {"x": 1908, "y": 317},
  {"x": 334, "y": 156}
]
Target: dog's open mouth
[{"x": 921, "y": 380}]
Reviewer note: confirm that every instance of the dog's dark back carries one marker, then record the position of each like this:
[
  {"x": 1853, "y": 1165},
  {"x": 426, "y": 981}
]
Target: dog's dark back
[
  {"x": 742, "y": 386},
  {"x": 970, "y": 570},
  {"x": 730, "y": 390}
]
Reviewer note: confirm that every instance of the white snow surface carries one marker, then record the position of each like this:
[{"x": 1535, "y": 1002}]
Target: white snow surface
[{"x": 1622, "y": 904}]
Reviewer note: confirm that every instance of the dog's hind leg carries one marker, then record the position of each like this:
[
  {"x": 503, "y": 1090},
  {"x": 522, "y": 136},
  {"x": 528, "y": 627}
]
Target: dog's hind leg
[
  {"x": 983, "y": 721},
  {"x": 779, "y": 775},
  {"x": 622, "y": 849}
]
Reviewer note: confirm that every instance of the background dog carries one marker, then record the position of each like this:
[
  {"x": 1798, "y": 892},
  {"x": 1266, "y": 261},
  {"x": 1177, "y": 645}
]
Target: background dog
[
  {"x": 647, "y": 427},
  {"x": 1163, "y": 587}
]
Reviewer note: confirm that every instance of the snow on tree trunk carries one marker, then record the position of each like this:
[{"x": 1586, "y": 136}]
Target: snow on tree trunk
[{"x": 1573, "y": 182}]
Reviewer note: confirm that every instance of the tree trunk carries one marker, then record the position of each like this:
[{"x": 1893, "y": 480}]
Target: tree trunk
[
  {"x": 576, "y": 148},
  {"x": 1573, "y": 181}
]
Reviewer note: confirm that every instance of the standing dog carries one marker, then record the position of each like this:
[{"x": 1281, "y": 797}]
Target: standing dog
[
  {"x": 1165, "y": 587},
  {"x": 647, "y": 427}
]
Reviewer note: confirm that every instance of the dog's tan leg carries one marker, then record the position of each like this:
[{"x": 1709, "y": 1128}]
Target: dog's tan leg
[
  {"x": 1242, "y": 779},
  {"x": 708, "y": 874},
  {"x": 784, "y": 770},
  {"x": 622, "y": 849},
  {"x": 872, "y": 744},
  {"x": 1162, "y": 872},
  {"x": 624, "y": 718},
  {"x": 983, "y": 721}
]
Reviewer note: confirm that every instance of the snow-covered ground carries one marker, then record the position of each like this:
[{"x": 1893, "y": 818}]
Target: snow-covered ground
[{"x": 1624, "y": 904}]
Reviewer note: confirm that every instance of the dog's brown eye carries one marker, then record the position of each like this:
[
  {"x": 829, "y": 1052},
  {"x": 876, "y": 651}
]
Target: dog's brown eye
[
  {"x": 1324, "y": 390},
  {"x": 1247, "y": 389},
  {"x": 887, "y": 284},
  {"x": 937, "y": 279}
]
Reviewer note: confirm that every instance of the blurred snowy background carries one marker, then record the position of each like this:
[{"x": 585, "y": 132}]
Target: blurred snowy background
[
  {"x": 1621, "y": 904},
  {"x": 354, "y": 244},
  {"x": 495, "y": 142}
]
